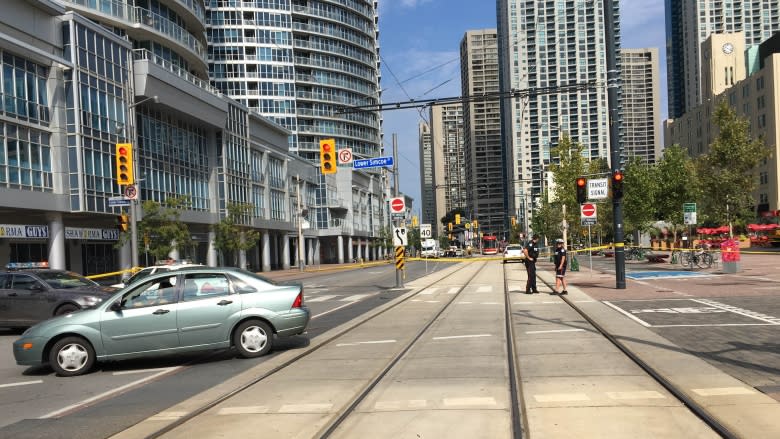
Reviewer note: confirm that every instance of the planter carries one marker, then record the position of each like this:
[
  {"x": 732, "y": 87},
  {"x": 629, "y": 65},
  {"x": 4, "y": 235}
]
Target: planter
[{"x": 731, "y": 267}]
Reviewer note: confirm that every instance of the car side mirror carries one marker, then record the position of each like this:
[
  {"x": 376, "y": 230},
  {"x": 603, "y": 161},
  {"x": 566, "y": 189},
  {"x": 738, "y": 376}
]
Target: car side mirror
[{"x": 116, "y": 306}]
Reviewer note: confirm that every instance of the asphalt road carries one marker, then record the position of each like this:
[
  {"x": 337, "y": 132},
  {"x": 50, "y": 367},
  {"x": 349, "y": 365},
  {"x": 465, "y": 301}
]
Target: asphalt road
[{"x": 35, "y": 403}]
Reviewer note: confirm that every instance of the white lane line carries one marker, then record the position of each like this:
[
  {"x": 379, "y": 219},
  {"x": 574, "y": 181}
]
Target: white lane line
[
  {"x": 485, "y": 289},
  {"x": 491, "y": 303},
  {"x": 249, "y": 410},
  {"x": 453, "y": 290},
  {"x": 21, "y": 383},
  {"x": 431, "y": 301},
  {"x": 461, "y": 402},
  {"x": 465, "y": 303},
  {"x": 400, "y": 405},
  {"x": 305, "y": 408},
  {"x": 553, "y": 330},
  {"x": 721, "y": 391},
  {"x": 639, "y": 394},
  {"x": 354, "y": 298},
  {"x": 321, "y": 298},
  {"x": 462, "y": 336},
  {"x": 716, "y": 325},
  {"x": 561, "y": 397},
  {"x": 168, "y": 416},
  {"x": 131, "y": 372},
  {"x": 332, "y": 310},
  {"x": 116, "y": 391},
  {"x": 366, "y": 342},
  {"x": 629, "y": 315},
  {"x": 429, "y": 290}
]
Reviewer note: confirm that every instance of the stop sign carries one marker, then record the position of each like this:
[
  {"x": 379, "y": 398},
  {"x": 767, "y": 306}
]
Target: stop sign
[
  {"x": 588, "y": 210},
  {"x": 397, "y": 205}
]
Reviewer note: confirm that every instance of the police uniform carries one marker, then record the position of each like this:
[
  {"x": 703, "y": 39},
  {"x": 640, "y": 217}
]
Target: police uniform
[
  {"x": 560, "y": 254},
  {"x": 532, "y": 253}
]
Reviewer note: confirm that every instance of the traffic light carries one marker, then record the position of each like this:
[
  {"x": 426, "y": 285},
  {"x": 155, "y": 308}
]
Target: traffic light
[
  {"x": 328, "y": 156},
  {"x": 617, "y": 185},
  {"x": 582, "y": 190},
  {"x": 457, "y": 218},
  {"x": 123, "y": 222},
  {"x": 475, "y": 224},
  {"x": 514, "y": 221},
  {"x": 124, "y": 164}
]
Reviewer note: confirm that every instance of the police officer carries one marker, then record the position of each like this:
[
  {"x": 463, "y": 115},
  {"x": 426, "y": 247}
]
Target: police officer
[
  {"x": 531, "y": 253},
  {"x": 560, "y": 259}
]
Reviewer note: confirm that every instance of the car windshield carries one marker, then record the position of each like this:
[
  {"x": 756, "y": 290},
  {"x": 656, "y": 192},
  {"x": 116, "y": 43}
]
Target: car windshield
[
  {"x": 65, "y": 279},
  {"x": 514, "y": 247},
  {"x": 141, "y": 274}
]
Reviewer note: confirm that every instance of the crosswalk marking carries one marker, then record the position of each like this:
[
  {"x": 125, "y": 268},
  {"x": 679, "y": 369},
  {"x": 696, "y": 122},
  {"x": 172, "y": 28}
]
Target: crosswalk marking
[
  {"x": 485, "y": 289},
  {"x": 453, "y": 290},
  {"x": 354, "y": 298},
  {"x": 429, "y": 290}
]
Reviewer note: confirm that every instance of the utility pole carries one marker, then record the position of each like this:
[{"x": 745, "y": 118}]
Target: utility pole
[
  {"x": 614, "y": 139},
  {"x": 399, "y": 280},
  {"x": 301, "y": 245}
]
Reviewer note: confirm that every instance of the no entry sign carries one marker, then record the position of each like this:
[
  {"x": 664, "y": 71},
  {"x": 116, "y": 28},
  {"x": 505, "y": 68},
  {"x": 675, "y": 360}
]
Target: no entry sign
[
  {"x": 397, "y": 205},
  {"x": 588, "y": 214}
]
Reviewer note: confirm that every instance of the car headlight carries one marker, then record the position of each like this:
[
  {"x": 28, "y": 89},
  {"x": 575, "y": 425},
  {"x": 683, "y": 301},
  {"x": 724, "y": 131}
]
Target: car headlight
[{"x": 91, "y": 300}]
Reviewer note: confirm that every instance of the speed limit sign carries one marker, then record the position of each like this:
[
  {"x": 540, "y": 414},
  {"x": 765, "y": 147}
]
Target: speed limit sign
[{"x": 425, "y": 231}]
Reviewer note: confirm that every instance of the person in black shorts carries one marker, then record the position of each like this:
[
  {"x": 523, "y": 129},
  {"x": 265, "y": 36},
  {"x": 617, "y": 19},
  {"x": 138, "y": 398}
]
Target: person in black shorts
[
  {"x": 560, "y": 261},
  {"x": 531, "y": 253}
]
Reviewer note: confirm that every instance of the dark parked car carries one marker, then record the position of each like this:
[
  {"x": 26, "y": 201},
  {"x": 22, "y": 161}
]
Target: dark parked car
[
  {"x": 30, "y": 295},
  {"x": 167, "y": 313}
]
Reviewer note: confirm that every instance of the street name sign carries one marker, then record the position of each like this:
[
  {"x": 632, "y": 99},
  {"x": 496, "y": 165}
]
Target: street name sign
[
  {"x": 118, "y": 201},
  {"x": 376, "y": 162}
]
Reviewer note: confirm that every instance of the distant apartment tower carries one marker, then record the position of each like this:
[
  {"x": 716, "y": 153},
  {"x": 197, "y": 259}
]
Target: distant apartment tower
[
  {"x": 549, "y": 44},
  {"x": 483, "y": 157},
  {"x": 448, "y": 153},
  {"x": 301, "y": 63},
  {"x": 427, "y": 177},
  {"x": 642, "y": 130},
  {"x": 689, "y": 23}
]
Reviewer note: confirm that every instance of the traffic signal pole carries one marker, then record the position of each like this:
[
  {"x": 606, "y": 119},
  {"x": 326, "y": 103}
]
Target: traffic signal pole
[{"x": 614, "y": 139}]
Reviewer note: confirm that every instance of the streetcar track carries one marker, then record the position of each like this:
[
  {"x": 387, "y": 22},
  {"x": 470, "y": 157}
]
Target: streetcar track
[
  {"x": 192, "y": 414},
  {"x": 697, "y": 409}
]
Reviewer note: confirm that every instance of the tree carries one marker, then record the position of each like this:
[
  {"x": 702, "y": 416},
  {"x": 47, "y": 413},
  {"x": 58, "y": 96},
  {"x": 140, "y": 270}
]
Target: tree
[
  {"x": 676, "y": 184},
  {"x": 570, "y": 164},
  {"x": 161, "y": 228},
  {"x": 641, "y": 186},
  {"x": 232, "y": 233},
  {"x": 727, "y": 171}
]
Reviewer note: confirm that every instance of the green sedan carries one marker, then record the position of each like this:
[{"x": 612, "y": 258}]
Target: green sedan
[{"x": 186, "y": 310}]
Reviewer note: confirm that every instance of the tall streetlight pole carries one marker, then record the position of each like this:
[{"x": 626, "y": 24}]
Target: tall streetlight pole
[{"x": 301, "y": 245}]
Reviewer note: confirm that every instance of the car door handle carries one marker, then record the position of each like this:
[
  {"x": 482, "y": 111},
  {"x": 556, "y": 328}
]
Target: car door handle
[
  {"x": 161, "y": 311},
  {"x": 224, "y": 302},
  {"x": 12, "y": 294}
]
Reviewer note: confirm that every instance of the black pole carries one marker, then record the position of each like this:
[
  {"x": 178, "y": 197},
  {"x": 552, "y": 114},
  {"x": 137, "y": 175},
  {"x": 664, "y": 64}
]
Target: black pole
[{"x": 614, "y": 139}]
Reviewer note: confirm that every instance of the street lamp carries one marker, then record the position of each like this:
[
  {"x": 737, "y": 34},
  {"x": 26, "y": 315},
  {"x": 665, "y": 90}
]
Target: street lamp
[{"x": 134, "y": 202}]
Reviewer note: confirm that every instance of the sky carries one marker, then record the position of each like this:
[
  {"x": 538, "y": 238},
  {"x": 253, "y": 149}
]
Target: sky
[{"x": 419, "y": 42}]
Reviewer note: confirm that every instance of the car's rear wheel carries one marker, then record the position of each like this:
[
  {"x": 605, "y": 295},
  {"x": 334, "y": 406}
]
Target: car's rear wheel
[
  {"x": 253, "y": 338},
  {"x": 71, "y": 356},
  {"x": 65, "y": 309}
]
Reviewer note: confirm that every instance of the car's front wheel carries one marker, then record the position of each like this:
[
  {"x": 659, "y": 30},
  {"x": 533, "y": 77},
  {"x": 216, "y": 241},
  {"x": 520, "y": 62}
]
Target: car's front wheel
[
  {"x": 253, "y": 338},
  {"x": 71, "y": 356}
]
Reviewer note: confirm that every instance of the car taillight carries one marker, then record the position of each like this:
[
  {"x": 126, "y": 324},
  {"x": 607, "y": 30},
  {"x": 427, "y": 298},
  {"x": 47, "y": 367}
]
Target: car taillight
[{"x": 298, "y": 300}]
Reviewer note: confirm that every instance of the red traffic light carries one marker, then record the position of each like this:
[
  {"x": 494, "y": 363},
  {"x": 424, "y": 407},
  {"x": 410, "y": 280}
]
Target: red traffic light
[
  {"x": 326, "y": 147},
  {"x": 581, "y": 182},
  {"x": 618, "y": 176}
]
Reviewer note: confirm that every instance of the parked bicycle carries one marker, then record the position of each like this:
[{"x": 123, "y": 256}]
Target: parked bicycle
[
  {"x": 697, "y": 257},
  {"x": 636, "y": 253}
]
